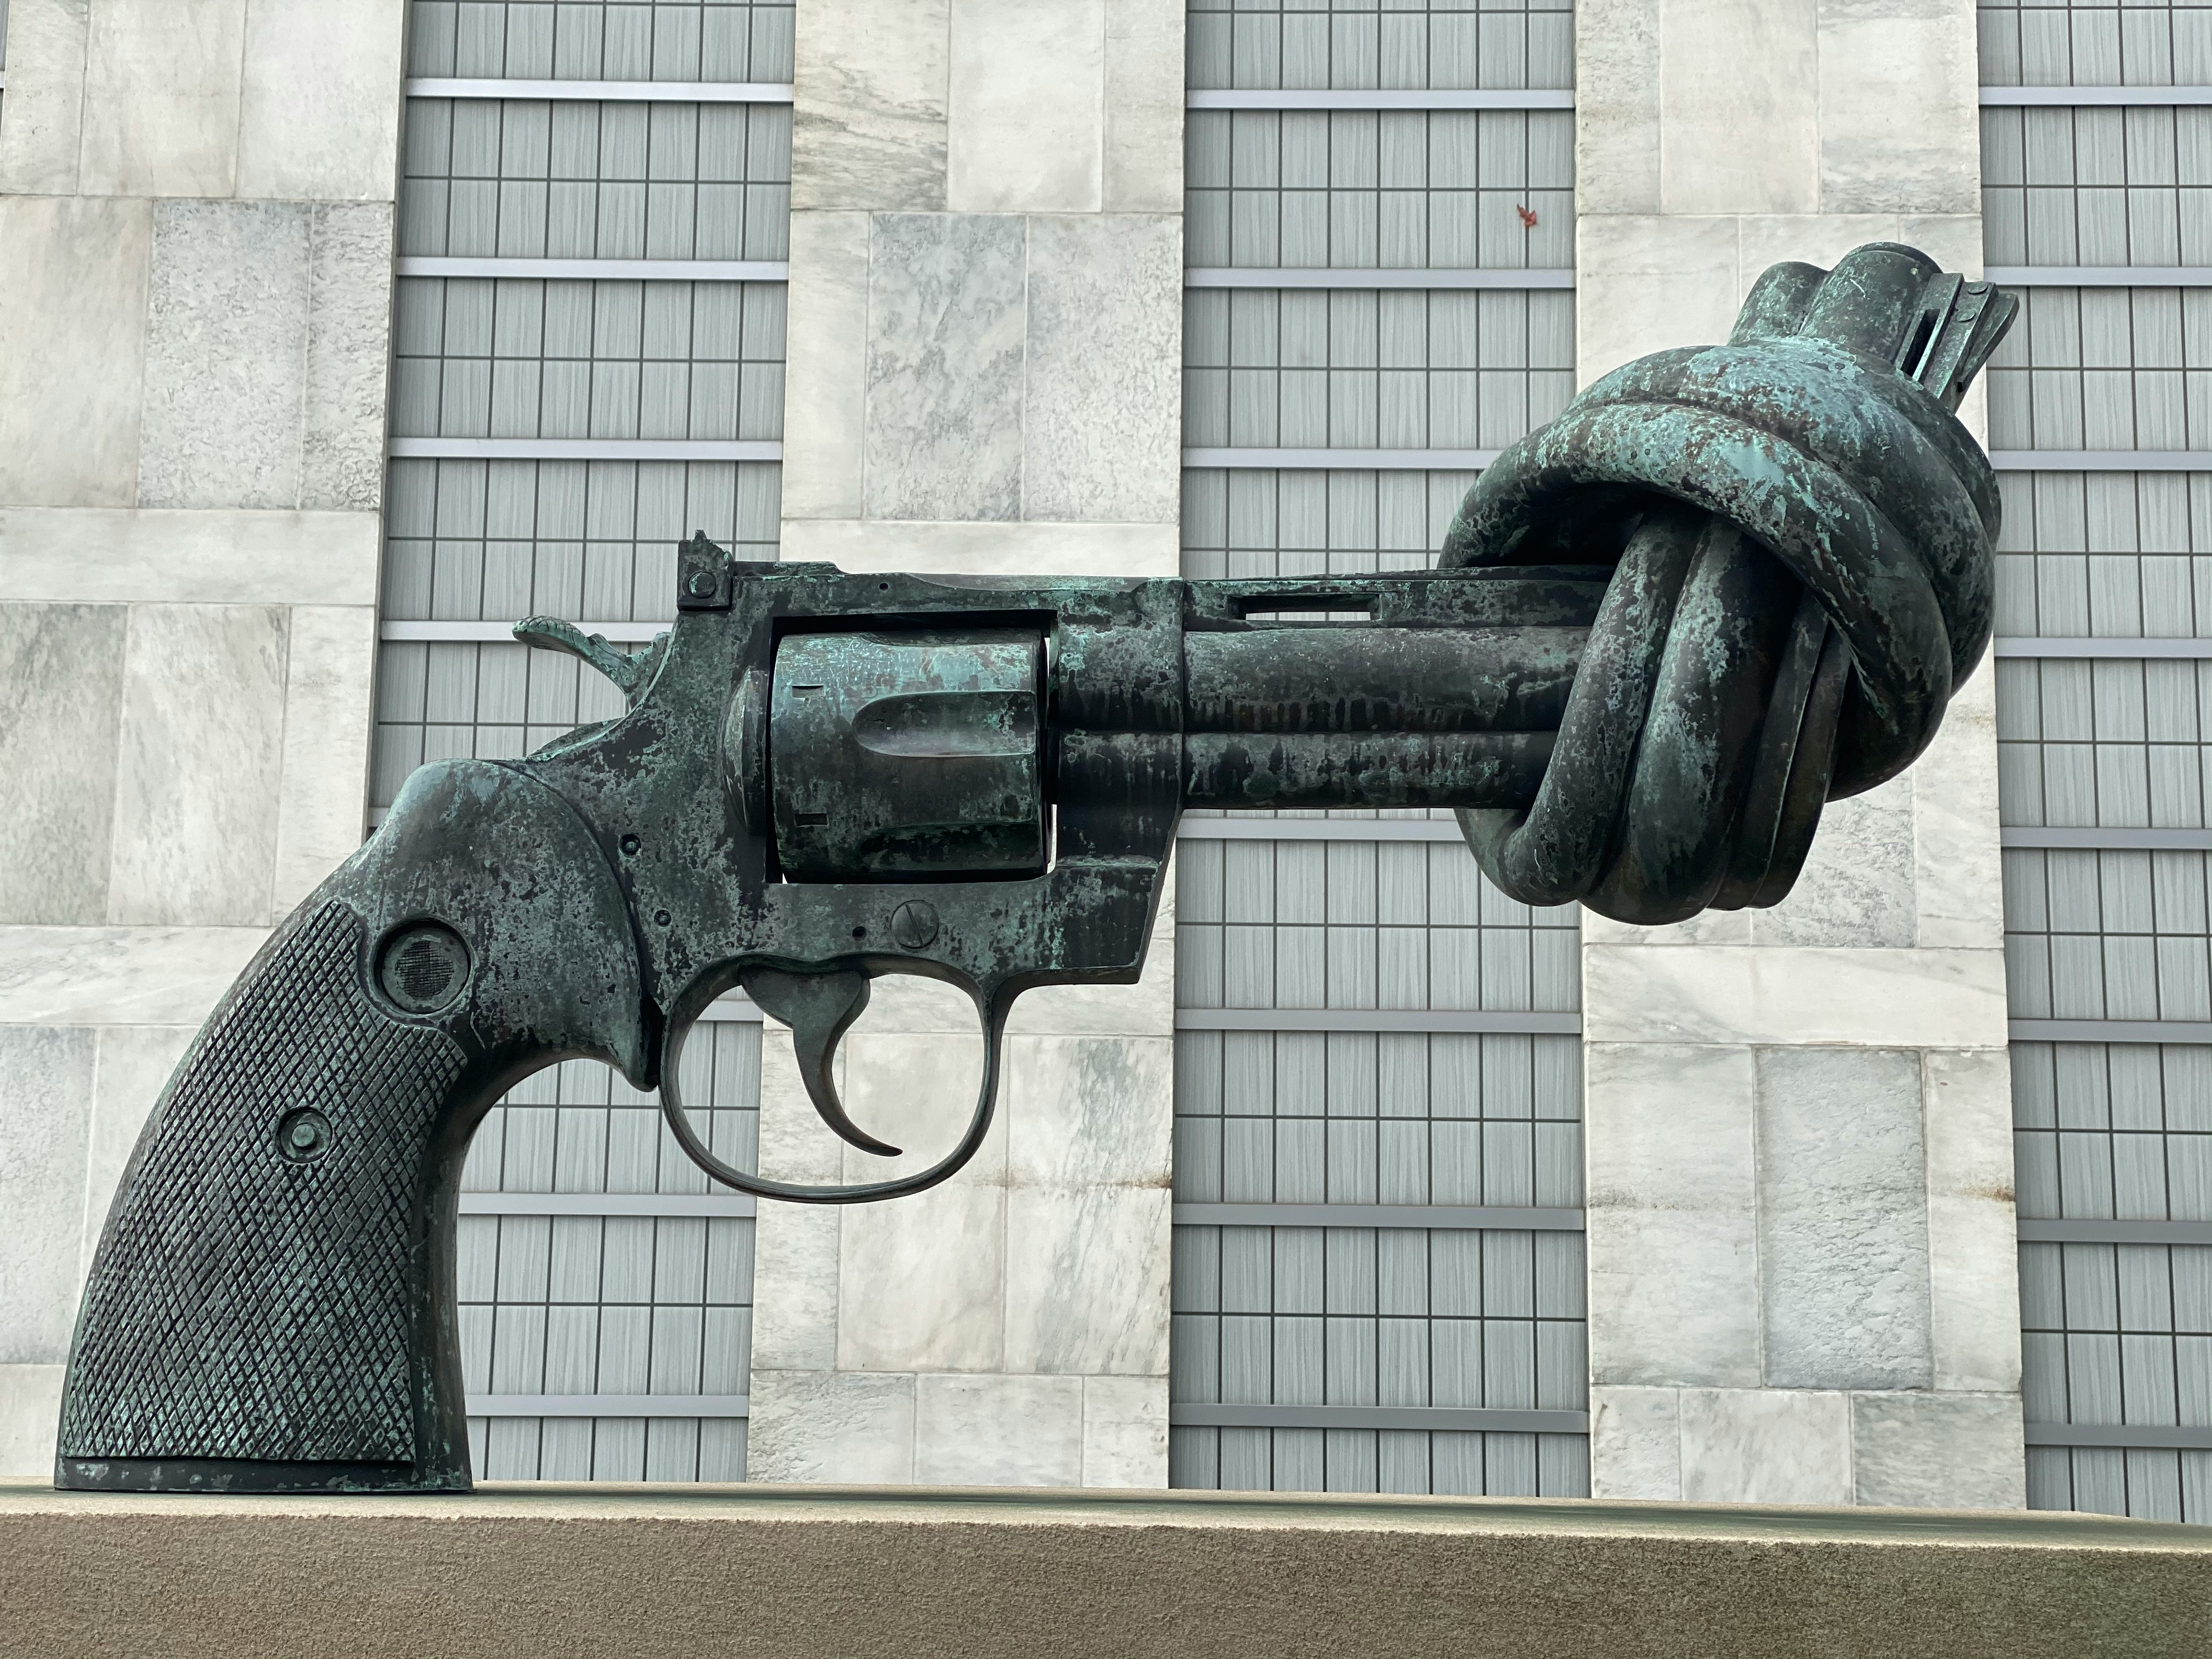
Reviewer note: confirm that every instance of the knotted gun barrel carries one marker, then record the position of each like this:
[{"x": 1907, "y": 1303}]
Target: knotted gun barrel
[{"x": 1727, "y": 585}]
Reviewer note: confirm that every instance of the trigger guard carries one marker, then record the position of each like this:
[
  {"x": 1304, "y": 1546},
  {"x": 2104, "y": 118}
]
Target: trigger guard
[{"x": 993, "y": 1007}]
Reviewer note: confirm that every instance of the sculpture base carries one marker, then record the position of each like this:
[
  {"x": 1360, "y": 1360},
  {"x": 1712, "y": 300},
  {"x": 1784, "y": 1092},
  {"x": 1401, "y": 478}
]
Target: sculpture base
[
  {"x": 796, "y": 1572},
  {"x": 232, "y": 1474}
]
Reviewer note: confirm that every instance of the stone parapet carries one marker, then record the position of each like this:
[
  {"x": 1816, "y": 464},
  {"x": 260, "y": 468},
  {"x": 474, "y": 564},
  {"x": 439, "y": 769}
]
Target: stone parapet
[{"x": 612, "y": 1572}]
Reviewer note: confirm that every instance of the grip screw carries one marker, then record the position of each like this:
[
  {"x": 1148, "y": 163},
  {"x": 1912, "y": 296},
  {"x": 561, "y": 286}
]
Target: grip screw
[
  {"x": 303, "y": 1136},
  {"x": 914, "y": 923},
  {"x": 629, "y": 845}
]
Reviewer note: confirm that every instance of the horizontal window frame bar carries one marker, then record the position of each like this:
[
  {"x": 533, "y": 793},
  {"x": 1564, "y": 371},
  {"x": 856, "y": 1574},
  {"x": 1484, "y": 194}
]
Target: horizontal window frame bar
[
  {"x": 1299, "y": 277},
  {"x": 584, "y": 449},
  {"x": 2101, "y": 460},
  {"x": 714, "y": 1206},
  {"x": 2132, "y": 1436},
  {"x": 419, "y": 632},
  {"x": 1482, "y": 1420},
  {"x": 2087, "y": 1229},
  {"x": 599, "y": 92},
  {"x": 1379, "y": 98},
  {"x": 2123, "y": 649},
  {"x": 1423, "y": 829},
  {"x": 2069, "y": 839},
  {"x": 595, "y": 270},
  {"x": 1342, "y": 460},
  {"x": 2110, "y": 1030},
  {"x": 1430, "y": 1022},
  {"x": 1452, "y": 1217},
  {"x": 609, "y": 1404},
  {"x": 2098, "y": 276},
  {"x": 2046, "y": 97}
]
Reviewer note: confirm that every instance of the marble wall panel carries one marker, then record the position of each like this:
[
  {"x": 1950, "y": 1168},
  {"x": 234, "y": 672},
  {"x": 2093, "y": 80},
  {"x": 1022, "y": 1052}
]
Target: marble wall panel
[
  {"x": 1144, "y": 107},
  {"x": 1672, "y": 1190},
  {"x": 1100, "y": 437},
  {"x": 44, "y": 129},
  {"x": 1794, "y": 994},
  {"x": 1899, "y": 97},
  {"x": 225, "y": 355},
  {"x": 1089, "y": 1111},
  {"x": 133, "y": 1065},
  {"x": 840, "y": 1427},
  {"x": 1857, "y": 886},
  {"x": 1617, "y": 54},
  {"x": 1641, "y": 283},
  {"x": 998, "y": 1431},
  {"x": 349, "y": 357},
  {"x": 1731, "y": 69},
  {"x": 946, "y": 326},
  {"x": 1636, "y": 1443},
  {"x": 1766, "y": 1446},
  {"x": 30, "y": 1418},
  {"x": 201, "y": 765},
  {"x": 73, "y": 282},
  {"x": 161, "y": 91},
  {"x": 330, "y": 658},
  {"x": 119, "y": 976},
  {"x": 825, "y": 397},
  {"x": 319, "y": 107},
  {"x": 868, "y": 122},
  {"x": 61, "y": 681},
  {"x": 1955, "y": 1451},
  {"x": 1087, "y": 1279},
  {"x": 119, "y": 555},
  {"x": 795, "y": 1246},
  {"x": 1958, "y": 879},
  {"x": 42, "y": 1159},
  {"x": 1026, "y": 114},
  {"x": 1125, "y": 1431},
  {"x": 1842, "y": 1219},
  {"x": 1973, "y": 1252}
]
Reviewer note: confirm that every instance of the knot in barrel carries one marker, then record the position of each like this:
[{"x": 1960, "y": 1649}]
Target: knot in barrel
[{"x": 1802, "y": 541}]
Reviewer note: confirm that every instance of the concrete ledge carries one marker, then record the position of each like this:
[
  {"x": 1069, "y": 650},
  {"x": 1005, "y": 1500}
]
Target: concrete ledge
[{"x": 793, "y": 1571}]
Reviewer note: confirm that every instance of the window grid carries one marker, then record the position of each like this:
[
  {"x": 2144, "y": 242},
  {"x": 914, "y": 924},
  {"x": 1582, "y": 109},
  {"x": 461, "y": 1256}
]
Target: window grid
[
  {"x": 2104, "y": 368},
  {"x": 2113, "y": 555},
  {"x": 1268, "y": 45},
  {"x": 2097, "y": 186},
  {"x": 617, "y": 1304},
  {"x": 530, "y": 178},
  {"x": 2106, "y": 935},
  {"x": 735, "y": 40},
  {"x": 2095, "y": 43},
  {"x": 2114, "y": 742},
  {"x": 1358, "y": 189}
]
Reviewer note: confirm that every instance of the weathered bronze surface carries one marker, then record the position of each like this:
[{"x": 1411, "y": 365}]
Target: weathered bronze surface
[{"x": 1726, "y": 585}]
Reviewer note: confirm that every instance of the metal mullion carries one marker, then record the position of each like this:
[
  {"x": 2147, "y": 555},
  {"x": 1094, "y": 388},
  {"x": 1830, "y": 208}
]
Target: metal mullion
[{"x": 505, "y": 89}]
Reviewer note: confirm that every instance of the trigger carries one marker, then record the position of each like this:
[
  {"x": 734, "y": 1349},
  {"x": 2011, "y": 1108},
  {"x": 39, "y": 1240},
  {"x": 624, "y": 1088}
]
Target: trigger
[{"x": 819, "y": 1008}]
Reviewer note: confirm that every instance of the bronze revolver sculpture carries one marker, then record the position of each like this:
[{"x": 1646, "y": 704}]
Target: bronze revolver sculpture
[{"x": 1727, "y": 585}]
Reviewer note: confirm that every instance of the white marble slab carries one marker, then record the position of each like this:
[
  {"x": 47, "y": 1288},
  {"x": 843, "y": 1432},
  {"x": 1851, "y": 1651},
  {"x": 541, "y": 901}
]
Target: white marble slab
[
  {"x": 1899, "y": 115},
  {"x": 231, "y": 286},
  {"x": 318, "y": 110},
  {"x": 1857, "y": 886},
  {"x": 1972, "y": 1230},
  {"x": 1960, "y": 870},
  {"x": 825, "y": 397},
  {"x": 62, "y": 666},
  {"x": 348, "y": 349},
  {"x": 965, "y": 548},
  {"x": 30, "y": 1419},
  {"x": 1094, "y": 1111},
  {"x": 1739, "y": 125},
  {"x": 1636, "y": 1443},
  {"x": 1645, "y": 282},
  {"x": 119, "y": 976},
  {"x": 133, "y": 1065},
  {"x": 73, "y": 282},
  {"x": 208, "y": 556},
  {"x": 946, "y": 330},
  {"x": 1087, "y": 1290},
  {"x": 829, "y": 1426},
  {"x": 1673, "y": 1195},
  {"x": 998, "y": 1431},
  {"x": 1144, "y": 106},
  {"x": 1025, "y": 127},
  {"x": 795, "y": 1286},
  {"x": 1766, "y": 1446},
  {"x": 1918, "y": 998},
  {"x": 322, "y": 802},
  {"x": 1951, "y": 1451},
  {"x": 1616, "y": 53},
  {"x": 1125, "y": 1431},
  {"x": 45, "y": 130},
  {"x": 1101, "y": 428},
  {"x": 1842, "y": 1219},
  {"x": 43, "y": 1130},
  {"x": 161, "y": 97},
  {"x": 199, "y": 775},
  {"x": 868, "y": 111}
]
